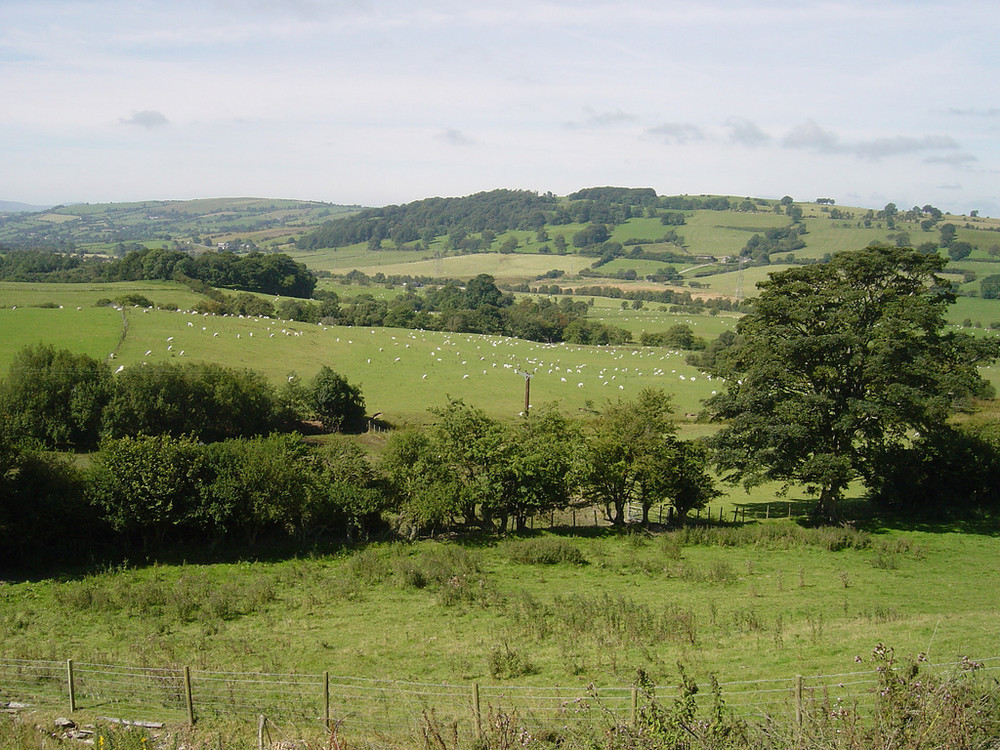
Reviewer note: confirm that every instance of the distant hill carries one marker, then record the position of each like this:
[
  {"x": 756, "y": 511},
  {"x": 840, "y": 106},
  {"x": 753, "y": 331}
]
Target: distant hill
[
  {"x": 596, "y": 236},
  {"x": 99, "y": 227},
  {"x": 13, "y": 207}
]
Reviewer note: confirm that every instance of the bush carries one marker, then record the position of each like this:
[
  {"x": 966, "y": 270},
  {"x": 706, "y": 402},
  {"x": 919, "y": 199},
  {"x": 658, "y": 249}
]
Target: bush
[
  {"x": 506, "y": 663},
  {"x": 545, "y": 551}
]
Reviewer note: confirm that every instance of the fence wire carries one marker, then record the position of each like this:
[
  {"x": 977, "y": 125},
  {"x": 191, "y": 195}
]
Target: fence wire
[{"x": 392, "y": 708}]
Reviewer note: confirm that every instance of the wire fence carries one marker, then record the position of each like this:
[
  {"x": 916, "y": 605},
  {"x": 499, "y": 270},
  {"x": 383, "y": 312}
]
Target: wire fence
[{"x": 393, "y": 708}]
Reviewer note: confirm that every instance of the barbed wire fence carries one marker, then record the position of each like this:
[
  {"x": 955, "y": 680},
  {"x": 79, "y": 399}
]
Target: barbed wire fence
[{"x": 398, "y": 709}]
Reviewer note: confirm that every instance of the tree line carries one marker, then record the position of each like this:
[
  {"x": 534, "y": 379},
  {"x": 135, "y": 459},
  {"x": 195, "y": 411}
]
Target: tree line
[
  {"x": 269, "y": 273},
  {"x": 490, "y": 213},
  {"x": 141, "y": 492},
  {"x": 477, "y": 306},
  {"x": 58, "y": 399}
]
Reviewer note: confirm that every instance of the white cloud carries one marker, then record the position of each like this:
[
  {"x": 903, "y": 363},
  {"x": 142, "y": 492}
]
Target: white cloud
[
  {"x": 811, "y": 136},
  {"x": 594, "y": 119},
  {"x": 147, "y": 118},
  {"x": 677, "y": 132},
  {"x": 359, "y": 100},
  {"x": 454, "y": 138},
  {"x": 746, "y": 132}
]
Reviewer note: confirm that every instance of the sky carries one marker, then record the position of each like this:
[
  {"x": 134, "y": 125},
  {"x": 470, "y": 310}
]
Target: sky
[{"x": 375, "y": 102}]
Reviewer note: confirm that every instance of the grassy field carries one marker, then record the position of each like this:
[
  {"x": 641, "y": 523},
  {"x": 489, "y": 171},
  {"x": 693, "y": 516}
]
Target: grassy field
[
  {"x": 401, "y": 373},
  {"x": 763, "y": 601},
  {"x": 505, "y": 267}
]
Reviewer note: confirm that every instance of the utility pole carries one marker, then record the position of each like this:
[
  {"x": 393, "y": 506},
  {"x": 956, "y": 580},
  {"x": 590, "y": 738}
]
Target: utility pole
[
  {"x": 527, "y": 389},
  {"x": 739, "y": 279}
]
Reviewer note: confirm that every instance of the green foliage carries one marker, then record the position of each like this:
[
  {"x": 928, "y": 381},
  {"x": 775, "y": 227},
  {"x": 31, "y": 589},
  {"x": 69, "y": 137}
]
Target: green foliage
[
  {"x": 258, "y": 485},
  {"x": 545, "y": 551},
  {"x": 338, "y": 404},
  {"x": 206, "y": 400},
  {"x": 425, "y": 491},
  {"x": 500, "y": 473},
  {"x": 679, "y": 336},
  {"x": 594, "y": 234},
  {"x": 149, "y": 484},
  {"x": 632, "y": 455},
  {"x": 271, "y": 273},
  {"x": 497, "y": 211},
  {"x": 951, "y": 471},
  {"x": 352, "y": 494},
  {"x": 989, "y": 287},
  {"x": 54, "y": 396},
  {"x": 41, "y": 494},
  {"x": 836, "y": 365}
]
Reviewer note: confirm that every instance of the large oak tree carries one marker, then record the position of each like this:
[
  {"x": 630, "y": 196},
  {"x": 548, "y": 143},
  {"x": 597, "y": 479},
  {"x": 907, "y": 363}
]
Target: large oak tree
[{"x": 840, "y": 364}]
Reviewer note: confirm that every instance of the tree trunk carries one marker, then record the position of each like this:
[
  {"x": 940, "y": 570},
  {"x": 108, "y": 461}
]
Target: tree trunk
[{"x": 826, "y": 505}]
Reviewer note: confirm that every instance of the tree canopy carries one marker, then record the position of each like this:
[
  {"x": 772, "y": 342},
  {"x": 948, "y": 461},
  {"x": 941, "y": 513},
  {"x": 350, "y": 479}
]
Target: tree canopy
[{"x": 838, "y": 365}]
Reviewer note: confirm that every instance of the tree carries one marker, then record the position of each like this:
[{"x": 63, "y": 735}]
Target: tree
[
  {"x": 989, "y": 287},
  {"x": 540, "y": 468},
  {"x": 472, "y": 447},
  {"x": 54, "y": 396},
  {"x": 625, "y": 454},
  {"x": 205, "y": 400},
  {"x": 594, "y": 234},
  {"x": 838, "y": 364},
  {"x": 338, "y": 404},
  {"x": 957, "y": 250},
  {"x": 258, "y": 485},
  {"x": 948, "y": 233},
  {"x": 38, "y": 488},
  {"x": 149, "y": 485},
  {"x": 352, "y": 494},
  {"x": 424, "y": 488}
]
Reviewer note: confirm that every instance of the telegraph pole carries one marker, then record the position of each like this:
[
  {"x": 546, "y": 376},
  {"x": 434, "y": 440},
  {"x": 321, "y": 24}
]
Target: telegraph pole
[{"x": 527, "y": 389}]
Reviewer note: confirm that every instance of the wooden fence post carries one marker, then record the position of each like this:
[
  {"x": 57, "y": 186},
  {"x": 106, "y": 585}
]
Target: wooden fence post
[
  {"x": 188, "y": 698},
  {"x": 477, "y": 715},
  {"x": 261, "y": 723},
  {"x": 72, "y": 687},
  {"x": 326, "y": 700},
  {"x": 798, "y": 700},
  {"x": 635, "y": 706}
]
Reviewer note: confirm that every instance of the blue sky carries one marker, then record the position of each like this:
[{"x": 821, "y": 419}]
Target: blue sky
[{"x": 372, "y": 102}]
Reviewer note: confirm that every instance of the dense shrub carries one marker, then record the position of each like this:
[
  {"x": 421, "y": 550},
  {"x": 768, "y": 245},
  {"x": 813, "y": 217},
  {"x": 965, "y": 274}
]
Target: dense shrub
[
  {"x": 54, "y": 396},
  {"x": 545, "y": 551},
  {"x": 205, "y": 400}
]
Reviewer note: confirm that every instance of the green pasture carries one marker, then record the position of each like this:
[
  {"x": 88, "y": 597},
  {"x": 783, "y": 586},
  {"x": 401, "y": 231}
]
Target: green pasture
[
  {"x": 93, "y": 331},
  {"x": 765, "y": 601},
  {"x": 721, "y": 233},
  {"x": 344, "y": 259},
  {"x": 504, "y": 267},
  {"x": 832, "y": 236},
  {"x": 653, "y": 320},
  {"x": 641, "y": 267},
  {"x": 402, "y": 373}
]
